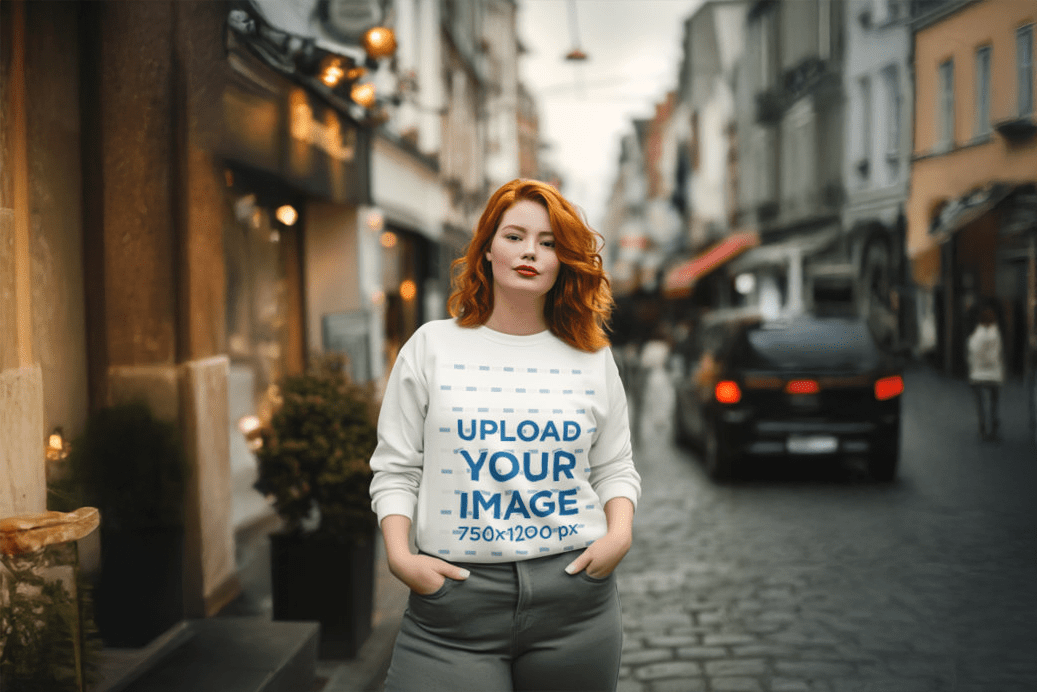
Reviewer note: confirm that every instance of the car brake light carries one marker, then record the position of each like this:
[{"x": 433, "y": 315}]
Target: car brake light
[
  {"x": 802, "y": 387},
  {"x": 889, "y": 387},
  {"x": 727, "y": 392}
]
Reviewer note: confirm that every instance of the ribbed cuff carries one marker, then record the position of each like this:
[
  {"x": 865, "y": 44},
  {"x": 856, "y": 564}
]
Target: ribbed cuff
[
  {"x": 619, "y": 489},
  {"x": 397, "y": 503}
]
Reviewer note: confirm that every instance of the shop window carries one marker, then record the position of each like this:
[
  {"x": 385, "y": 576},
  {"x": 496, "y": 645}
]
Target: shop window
[{"x": 257, "y": 293}]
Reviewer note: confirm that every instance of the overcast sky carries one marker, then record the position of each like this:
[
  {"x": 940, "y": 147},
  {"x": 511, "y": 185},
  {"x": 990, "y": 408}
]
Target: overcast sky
[{"x": 634, "y": 49}]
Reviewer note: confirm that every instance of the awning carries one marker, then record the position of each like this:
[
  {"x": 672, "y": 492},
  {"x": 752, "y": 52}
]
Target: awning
[
  {"x": 960, "y": 212},
  {"x": 781, "y": 253},
  {"x": 337, "y": 31},
  {"x": 680, "y": 279}
]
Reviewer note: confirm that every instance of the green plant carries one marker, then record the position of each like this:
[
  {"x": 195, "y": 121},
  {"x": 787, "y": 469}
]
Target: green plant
[
  {"x": 315, "y": 452},
  {"x": 48, "y": 640},
  {"x": 131, "y": 466}
]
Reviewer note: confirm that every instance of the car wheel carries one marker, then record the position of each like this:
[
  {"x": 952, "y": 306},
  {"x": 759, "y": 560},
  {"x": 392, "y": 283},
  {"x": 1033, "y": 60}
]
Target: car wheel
[
  {"x": 719, "y": 464},
  {"x": 883, "y": 462}
]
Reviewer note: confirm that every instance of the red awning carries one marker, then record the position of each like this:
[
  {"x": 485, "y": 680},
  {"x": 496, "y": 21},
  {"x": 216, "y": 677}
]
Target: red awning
[{"x": 680, "y": 279}]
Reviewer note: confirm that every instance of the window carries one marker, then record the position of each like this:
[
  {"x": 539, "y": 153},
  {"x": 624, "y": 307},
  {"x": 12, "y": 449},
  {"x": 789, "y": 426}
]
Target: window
[
  {"x": 1024, "y": 63},
  {"x": 866, "y": 116},
  {"x": 765, "y": 50},
  {"x": 891, "y": 79},
  {"x": 982, "y": 124},
  {"x": 945, "y": 107},
  {"x": 893, "y": 108}
]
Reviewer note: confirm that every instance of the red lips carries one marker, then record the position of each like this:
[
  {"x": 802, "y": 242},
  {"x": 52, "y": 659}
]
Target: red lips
[{"x": 526, "y": 270}]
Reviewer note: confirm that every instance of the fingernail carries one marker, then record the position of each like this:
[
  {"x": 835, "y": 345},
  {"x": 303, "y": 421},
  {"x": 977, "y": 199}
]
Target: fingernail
[
  {"x": 465, "y": 574},
  {"x": 571, "y": 568}
]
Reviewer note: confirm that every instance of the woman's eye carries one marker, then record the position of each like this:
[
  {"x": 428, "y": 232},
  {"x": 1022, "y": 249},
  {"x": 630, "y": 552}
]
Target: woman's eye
[{"x": 548, "y": 243}]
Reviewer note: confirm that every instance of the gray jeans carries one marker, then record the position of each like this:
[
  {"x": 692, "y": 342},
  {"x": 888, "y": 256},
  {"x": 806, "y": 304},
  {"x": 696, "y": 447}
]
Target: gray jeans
[
  {"x": 511, "y": 626},
  {"x": 986, "y": 406}
]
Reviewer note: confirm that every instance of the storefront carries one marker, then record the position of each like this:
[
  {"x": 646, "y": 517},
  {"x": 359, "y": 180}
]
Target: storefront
[
  {"x": 297, "y": 171},
  {"x": 985, "y": 242},
  {"x": 411, "y": 202}
]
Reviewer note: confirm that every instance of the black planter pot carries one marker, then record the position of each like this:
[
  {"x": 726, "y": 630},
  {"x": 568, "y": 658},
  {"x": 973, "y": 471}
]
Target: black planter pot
[
  {"x": 319, "y": 578},
  {"x": 140, "y": 593}
]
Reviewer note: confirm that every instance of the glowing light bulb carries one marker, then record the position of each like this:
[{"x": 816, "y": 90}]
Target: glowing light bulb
[
  {"x": 287, "y": 215},
  {"x": 363, "y": 94},
  {"x": 379, "y": 42}
]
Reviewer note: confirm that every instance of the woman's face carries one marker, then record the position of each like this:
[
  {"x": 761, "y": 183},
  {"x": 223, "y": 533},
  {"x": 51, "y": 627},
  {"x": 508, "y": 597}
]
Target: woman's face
[{"x": 522, "y": 253}]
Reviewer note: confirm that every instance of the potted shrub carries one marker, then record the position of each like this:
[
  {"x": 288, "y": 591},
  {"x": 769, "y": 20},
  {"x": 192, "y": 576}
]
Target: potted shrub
[
  {"x": 133, "y": 468},
  {"x": 48, "y": 640},
  {"x": 313, "y": 462}
]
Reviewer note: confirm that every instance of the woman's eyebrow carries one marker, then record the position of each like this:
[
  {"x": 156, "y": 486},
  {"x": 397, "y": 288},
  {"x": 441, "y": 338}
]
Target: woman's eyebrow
[{"x": 523, "y": 229}]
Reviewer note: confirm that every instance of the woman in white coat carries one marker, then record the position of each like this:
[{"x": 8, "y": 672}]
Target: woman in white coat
[{"x": 986, "y": 372}]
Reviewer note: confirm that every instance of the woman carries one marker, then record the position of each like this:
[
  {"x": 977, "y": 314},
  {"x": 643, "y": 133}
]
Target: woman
[
  {"x": 504, "y": 439},
  {"x": 986, "y": 372}
]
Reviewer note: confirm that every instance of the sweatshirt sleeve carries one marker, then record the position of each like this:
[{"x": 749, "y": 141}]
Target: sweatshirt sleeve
[
  {"x": 398, "y": 460},
  {"x": 611, "y": 456}
]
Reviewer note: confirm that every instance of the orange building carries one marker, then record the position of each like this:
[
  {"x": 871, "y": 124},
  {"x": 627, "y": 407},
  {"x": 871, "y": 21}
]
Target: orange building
[{"x": 972, "y": 207}]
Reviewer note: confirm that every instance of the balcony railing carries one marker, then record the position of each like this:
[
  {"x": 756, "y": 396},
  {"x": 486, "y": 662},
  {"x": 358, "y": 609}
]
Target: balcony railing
[{"x": 811, "y": 76}]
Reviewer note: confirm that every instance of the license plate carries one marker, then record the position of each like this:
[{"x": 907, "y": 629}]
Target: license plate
[{"x": 812, "y": 444}]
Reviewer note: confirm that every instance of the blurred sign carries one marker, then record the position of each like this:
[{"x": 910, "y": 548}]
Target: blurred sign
[
  {"x": 335, "y": 25},
  {"x": 327, "y": 135},
  {"x": 347, "y": 20},
  {"x": 300, "y": 139}
]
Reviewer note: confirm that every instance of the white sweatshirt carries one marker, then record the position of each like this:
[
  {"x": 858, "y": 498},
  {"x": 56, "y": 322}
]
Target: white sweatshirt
[
  {"x": 984, "y": 355},
  {"x": 501, "y": 448}
]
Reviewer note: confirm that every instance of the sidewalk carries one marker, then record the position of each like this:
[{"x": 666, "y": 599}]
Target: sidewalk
[{"x": 366, "y": 672}]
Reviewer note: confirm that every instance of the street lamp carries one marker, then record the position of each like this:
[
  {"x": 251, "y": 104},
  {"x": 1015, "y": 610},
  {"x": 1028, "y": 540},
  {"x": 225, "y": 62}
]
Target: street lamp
[{"x": 576, "y": 54}]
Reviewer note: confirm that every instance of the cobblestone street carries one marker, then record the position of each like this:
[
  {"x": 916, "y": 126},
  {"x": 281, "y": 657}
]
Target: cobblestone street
[{"x": 816, "y": 579}]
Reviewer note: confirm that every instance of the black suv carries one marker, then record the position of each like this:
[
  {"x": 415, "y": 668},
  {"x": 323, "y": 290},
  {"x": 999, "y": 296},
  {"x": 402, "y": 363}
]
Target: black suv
[{"x": 800, "y": 386}]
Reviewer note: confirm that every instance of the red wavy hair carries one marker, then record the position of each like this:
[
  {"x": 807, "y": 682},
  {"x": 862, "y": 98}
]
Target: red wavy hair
[{"x": 579, "y": 304}]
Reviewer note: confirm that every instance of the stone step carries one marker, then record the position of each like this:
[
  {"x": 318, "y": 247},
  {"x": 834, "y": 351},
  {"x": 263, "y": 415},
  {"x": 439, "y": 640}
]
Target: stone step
[{"x": 237, "y": 654}]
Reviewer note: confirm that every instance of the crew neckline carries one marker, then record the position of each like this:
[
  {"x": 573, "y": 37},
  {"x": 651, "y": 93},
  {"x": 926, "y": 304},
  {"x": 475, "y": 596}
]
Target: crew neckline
[{"x": 515, "y": 339}]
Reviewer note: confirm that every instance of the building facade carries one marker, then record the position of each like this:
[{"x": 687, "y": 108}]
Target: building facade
[
  {"x": 705, "y": 173},
  {"x": 876, "y": 161},
  {"x": 971, "y": 210},
  {"x": 114, "y": 206},
  {"x": 790, "y": 127},
  {"x": 192, "y": 203}
]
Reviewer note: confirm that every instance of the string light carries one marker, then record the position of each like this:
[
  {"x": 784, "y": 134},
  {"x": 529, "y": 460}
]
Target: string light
[
  {"x": 363, "y": 94},
  {"x": 287, "y": 214},
  {"x": 379, "y": 42},
  {"x": 331, "y": 71},
  {"x": 408, "y": 290}
]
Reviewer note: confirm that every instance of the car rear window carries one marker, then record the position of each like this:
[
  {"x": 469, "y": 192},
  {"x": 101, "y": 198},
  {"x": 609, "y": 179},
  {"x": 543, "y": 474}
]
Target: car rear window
[{"x": 829, "y": 345}]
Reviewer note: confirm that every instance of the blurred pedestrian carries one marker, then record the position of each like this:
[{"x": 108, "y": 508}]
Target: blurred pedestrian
[
  {"x": 504, "y": 438},
  {"x": 986, "y": 372},
  {"x": 657, "y": 396}
]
